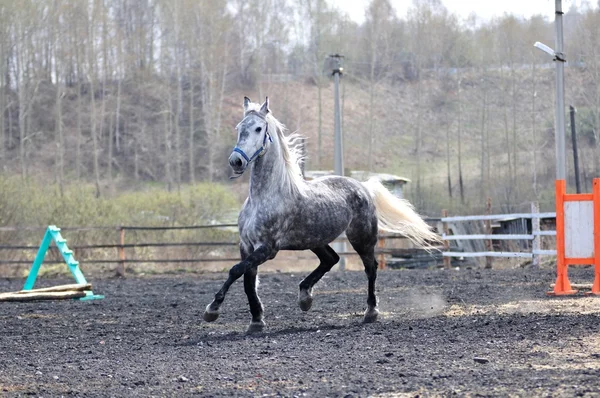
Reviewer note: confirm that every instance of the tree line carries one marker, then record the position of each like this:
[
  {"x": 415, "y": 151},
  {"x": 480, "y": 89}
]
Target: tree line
[{"x": 113, "y": 91}]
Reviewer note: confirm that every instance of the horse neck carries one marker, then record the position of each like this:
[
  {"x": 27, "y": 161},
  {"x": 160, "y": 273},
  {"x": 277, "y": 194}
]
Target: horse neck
[{"x": 268, "y": 173}]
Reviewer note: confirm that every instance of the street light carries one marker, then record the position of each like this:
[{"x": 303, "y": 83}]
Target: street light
[
  {"x": 560, "y": 59},
  {"x": 336, "y": 72}
]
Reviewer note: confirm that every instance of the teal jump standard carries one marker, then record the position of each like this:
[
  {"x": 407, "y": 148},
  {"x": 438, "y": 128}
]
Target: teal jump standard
[{"x": 53, "y": 234}]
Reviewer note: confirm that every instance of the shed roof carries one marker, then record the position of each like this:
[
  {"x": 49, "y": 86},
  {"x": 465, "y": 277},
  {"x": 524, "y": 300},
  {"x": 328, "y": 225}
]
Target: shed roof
[{"x": 360, "y": 175}]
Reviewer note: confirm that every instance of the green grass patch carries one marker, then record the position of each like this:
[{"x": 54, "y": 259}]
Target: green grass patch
[{"x": 30, "y": 203}]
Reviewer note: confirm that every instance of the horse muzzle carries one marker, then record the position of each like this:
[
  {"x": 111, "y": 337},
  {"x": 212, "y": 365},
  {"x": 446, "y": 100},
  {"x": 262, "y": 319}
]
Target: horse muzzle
[{"x": 237, "y": 163}]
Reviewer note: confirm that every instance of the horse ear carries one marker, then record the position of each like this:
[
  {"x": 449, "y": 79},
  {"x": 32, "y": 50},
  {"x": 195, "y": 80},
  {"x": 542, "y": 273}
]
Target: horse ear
[
  {"x": 264, "y": 109},
  {"x": 246, "y": 104}
]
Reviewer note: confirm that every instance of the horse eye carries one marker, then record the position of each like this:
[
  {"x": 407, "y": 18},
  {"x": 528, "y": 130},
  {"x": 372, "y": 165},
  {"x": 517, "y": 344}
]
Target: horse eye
[{"x": 258, "y": 129}]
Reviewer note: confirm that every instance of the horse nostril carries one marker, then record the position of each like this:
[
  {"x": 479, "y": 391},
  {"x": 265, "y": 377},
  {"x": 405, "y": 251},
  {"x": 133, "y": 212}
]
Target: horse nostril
[{"x": 235, "y": 162}]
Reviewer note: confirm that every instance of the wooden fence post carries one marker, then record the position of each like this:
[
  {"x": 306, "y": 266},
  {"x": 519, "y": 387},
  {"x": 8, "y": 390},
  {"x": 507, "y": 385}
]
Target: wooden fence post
[
  {"x": 535, "y": 230},
  {"x": 445, "y": 229},
  {"x": 381, "y": 245},
  {"x": 121, "y": 251},
  {"x": 488, "y": 231}
]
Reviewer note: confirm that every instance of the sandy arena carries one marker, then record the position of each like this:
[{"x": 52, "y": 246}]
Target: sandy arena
[{"x": 441, "y": 332}]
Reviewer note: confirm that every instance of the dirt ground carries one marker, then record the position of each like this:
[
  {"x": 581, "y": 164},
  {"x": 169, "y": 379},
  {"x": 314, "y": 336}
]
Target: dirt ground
[{"x": 442, "y": 332}]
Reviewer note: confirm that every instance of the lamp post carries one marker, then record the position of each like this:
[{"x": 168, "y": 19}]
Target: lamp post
[
  {"x": 560, "y": 59},
  {"x": 337, "y": 71},
  {"x": 338, "y": 156}
]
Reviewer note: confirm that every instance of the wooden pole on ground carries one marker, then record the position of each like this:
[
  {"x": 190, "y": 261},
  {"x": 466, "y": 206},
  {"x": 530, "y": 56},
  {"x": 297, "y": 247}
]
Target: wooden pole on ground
[
  {"x": 80, "y": 287},
  {"x": 18, "y": 296}
]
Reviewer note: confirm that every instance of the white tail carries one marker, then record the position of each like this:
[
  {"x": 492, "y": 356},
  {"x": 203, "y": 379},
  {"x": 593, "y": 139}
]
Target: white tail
[{"x": 399, "y": 216}]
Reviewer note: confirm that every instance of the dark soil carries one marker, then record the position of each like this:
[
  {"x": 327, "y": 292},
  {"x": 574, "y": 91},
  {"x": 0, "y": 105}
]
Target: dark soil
[{"x": 467, "y": 332}]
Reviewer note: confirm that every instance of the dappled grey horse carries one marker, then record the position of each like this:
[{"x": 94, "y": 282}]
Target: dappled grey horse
[{"x": 285, "y": 212}]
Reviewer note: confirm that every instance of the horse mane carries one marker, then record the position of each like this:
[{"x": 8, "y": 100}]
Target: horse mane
[{"x": 292, "y": 155}]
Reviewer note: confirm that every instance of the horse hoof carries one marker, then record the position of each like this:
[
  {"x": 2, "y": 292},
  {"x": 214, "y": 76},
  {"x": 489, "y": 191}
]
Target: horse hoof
[
  {"x": 305, "y": 300},
  {"x": 371, "y": 315},
  {"x": 210, "y": 316},
  {"x": 256, "y": 327}
]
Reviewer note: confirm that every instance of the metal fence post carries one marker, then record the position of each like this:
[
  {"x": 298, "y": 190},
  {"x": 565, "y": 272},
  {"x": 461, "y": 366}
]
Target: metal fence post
[
  {"x": 488, "y": 231},
  {"x": 121, "y": 251},
  {"x": 535, "y": 230},
  {"x": 446, "y": 242}
]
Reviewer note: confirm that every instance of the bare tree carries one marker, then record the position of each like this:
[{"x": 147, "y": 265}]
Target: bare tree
[
  {"x": 380, "y": 18},
  {"x": 58, "y": 123},
  {"x": 92, "y": 75}
]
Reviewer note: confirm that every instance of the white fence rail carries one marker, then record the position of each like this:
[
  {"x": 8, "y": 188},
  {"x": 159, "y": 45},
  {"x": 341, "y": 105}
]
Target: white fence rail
[
  {"x": 535, "y": 236},
  {"x": 480, "y": 237},
  {"x": 493, "y": 217}
]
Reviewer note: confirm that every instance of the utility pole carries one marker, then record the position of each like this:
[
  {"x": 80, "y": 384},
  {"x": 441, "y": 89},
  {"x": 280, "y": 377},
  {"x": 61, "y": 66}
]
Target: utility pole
[
  {"x": 560, "y": 94},
  {"x": 338, "y": 157},
  {"x": 572, "y": 111}
]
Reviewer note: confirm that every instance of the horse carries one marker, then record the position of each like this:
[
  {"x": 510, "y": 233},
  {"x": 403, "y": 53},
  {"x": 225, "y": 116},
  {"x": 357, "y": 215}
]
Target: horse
[{"x": 285, "y": 212}]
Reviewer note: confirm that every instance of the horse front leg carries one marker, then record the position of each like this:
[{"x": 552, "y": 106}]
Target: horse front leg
[
  {"x": 256, "y": 307},
  {"x": 250, "y": 285},
  {"x": 254, "y": 259}
]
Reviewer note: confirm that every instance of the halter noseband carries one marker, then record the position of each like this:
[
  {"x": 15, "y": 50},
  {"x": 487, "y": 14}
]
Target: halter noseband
[{"x": 260, "y": 151}]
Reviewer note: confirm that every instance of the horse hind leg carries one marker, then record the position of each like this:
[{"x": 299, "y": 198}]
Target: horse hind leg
[
  {"x": 366, "y": 251},
  {"x": 328, "y": 258},
  {"x": 371, "y": 270}
]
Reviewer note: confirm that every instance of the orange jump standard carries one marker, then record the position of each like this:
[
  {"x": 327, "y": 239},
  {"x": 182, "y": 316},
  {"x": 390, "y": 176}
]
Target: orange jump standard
[{"x": 577, "y": 235}]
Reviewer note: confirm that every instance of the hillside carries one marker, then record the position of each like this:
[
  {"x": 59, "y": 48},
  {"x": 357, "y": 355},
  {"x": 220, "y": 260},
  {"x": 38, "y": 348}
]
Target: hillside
[{"x": 494, "y": 115}]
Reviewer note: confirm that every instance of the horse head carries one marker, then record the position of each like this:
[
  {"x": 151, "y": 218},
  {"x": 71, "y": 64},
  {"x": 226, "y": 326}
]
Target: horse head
[{"x": 253, "y": 135}]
